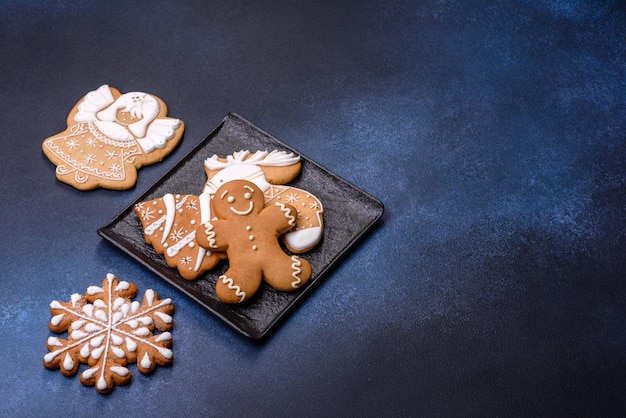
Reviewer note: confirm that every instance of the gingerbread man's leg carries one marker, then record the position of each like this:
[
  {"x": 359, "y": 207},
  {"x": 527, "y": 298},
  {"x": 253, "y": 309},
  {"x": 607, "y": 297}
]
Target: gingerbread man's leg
[
  {"x": 290, "y": 273},
  {"x": 237, "y": 285}
]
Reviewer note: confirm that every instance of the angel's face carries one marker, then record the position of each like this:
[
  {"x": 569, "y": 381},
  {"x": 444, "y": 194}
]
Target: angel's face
[{"x": 130, "y": 108}]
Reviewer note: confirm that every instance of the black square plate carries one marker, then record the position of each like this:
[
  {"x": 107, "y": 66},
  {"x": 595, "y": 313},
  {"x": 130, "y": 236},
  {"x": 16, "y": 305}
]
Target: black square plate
[{"x": 348, "y": 214}]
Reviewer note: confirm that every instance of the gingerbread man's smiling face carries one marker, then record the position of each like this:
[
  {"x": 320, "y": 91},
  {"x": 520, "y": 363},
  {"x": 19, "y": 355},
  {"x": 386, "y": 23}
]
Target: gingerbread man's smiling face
[{"x": 238, "y": 198}]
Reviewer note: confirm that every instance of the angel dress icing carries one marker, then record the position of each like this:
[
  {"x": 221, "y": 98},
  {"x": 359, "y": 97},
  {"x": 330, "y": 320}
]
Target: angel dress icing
[
  {"x": 270, "y": 171},
  {"x": 109, "y": 136}
]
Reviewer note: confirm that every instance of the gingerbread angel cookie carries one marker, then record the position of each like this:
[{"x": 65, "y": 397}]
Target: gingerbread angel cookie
[
  {"x": 169, "y": 225},
  {"x": 270, "y": 172},
  {"x": 248, "y": 231},
  {"x": 109, "y": 136}
]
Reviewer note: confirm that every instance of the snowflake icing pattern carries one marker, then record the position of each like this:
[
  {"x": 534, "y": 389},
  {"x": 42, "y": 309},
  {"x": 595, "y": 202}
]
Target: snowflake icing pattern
[
  {"x": 90, "y": 158},
  {"x": 192, "y": 205},
  {"x": 291, "y": 198},
  {"x": 147, "y": 214},
  {"x": 177, "y": 235},
  {"x": 71, "y": 144},
  {"x": 107, "y": 331}
]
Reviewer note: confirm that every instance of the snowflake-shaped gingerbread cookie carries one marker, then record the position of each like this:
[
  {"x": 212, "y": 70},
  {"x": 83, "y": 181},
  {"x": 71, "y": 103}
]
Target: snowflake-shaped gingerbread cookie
[{"x": 107, "y": 331}]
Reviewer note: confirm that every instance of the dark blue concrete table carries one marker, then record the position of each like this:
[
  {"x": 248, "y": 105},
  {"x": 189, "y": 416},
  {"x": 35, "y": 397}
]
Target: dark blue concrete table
[{"x": 494, "y": 133}]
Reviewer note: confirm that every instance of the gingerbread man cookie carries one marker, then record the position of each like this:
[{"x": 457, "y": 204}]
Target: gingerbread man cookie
[
  {"x": 109, "y": 136},
  {"x": 248, "y": 231},
  {"x": 270, "y": 171}
]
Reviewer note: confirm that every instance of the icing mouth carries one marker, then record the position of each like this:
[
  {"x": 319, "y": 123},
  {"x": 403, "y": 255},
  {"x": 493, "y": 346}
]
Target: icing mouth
[{"x": 242, "y": 212}]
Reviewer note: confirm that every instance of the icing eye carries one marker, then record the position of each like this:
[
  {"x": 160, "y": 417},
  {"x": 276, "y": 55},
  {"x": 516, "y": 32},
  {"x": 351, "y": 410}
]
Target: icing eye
[
  {"x": 230, "y": 199},
  {"x": 248, "y": 196}
]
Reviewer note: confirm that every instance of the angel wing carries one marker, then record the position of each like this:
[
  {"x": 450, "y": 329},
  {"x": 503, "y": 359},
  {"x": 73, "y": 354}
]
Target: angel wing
[
  {"x": 159, "y": 132},
  {"x": 94, "y": 102}
]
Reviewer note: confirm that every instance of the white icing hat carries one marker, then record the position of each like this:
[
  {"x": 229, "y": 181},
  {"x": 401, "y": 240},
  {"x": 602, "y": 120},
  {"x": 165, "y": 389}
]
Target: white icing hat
[{"x": 248, "y": 172}]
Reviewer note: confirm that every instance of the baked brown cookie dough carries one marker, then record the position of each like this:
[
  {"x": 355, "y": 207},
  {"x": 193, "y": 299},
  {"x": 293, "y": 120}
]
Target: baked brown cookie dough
[{"x": 110, "y": 136}]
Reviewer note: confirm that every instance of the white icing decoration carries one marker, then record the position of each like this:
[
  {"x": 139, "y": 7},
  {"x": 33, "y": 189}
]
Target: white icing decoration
[
  {"x": 68, "y": 363},
  {"x": 100, "y": 315},
  {"x": 102, "y": 384},
  {"x": 91, "y": 328},
  {"x": 261, "y": 158},
  {"x": 123, "y": 285},
  {"x": 93, "y": 102},
  {"x": 302, "y": 239},
  {"x": 232, "y": 286},
  {"x": 84, "y": 351},
  {"x": 149, "y": 295},
  {"x": 118, "y": 303},
  {"x": 174, "y": 249},
  {"x": 88, "y": 374},
  {"x": 145, "y": 320},
  {"x": 97, "y": 341},
  {"x": 56, "y": 319},
  {"x": 159, "y": 132},
  {"x": 242, "y": 212},
  {"x": 296, "y": 271},
  {"x": 165, "y": 352},
  {"x": 164, "y": 336},
  {"x": 97, "y": 353},
  {"x": 54, "y": 342},
  {"x": 77, "y": 335},
  {"x": 118, "y": 352},
  {"x": 131, "y": 345},
  {"x": 142, "y": 332},
  {"x": 170, "y": 204},
  {"x": 75, "y": 298},
  {"x": 210, "y": 234},
  {"x": 164, "y": 317},
  {"x": 116, "y": 339},
  {"x": 287, "y": 213},
  {"x": 88, "y": 310},
  {"x": 92, "y": 290},
  {"x": 77, "y": 324},
  {"x": 119, "y": 370},
  {"x": 145, "y": 361}
]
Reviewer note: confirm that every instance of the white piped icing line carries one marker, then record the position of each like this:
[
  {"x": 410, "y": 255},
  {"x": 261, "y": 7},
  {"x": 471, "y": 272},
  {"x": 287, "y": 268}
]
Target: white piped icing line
[
  {"x": 296, "y": 271},
  {"x": 261, "y": 158},
  {"x": 170, "y": 207},
  {"x": 210, "y": 234},
  {"x": 205, "y": 216},
  {"x": 243, "y": 212},
  {"x": 239, "y": 166},
  {"x": 287, "y": 212},
  {"x": 232, "y": 286}
]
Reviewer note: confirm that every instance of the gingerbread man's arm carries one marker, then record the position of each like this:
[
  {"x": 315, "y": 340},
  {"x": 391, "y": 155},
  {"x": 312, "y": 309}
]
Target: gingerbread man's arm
[
  {"x": 210, "y": 236},
  {"x": 281, "y": 215}
]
